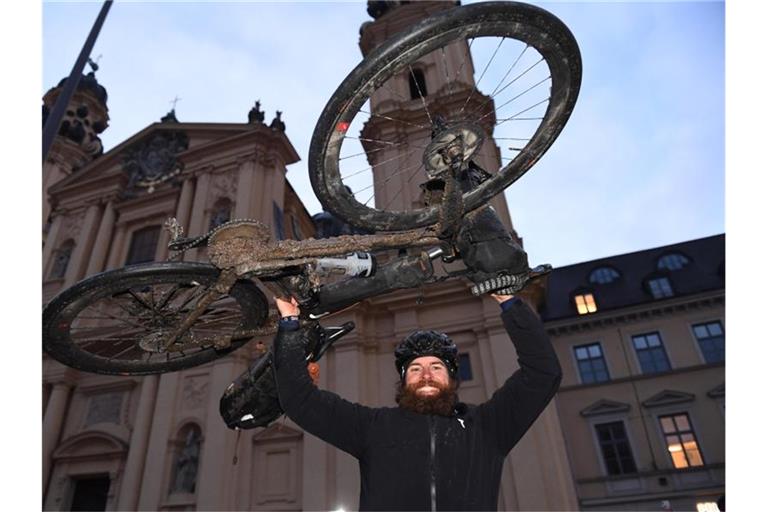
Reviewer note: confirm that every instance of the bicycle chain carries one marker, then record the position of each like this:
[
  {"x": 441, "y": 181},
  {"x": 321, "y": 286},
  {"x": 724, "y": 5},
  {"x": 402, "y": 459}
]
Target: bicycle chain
[{"x": 172, "y": 224}]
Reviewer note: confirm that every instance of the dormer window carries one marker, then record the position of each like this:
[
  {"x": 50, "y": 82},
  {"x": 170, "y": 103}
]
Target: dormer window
[
  {"x": 603, "y": 275},
  {"x": 585, "y": 303},
  {"x": 660, "y": 287},
  {"x": 672, "y": 261}
]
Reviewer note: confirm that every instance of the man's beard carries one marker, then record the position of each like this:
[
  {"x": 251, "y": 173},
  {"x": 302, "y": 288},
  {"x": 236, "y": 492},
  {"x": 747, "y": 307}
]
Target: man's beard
[{"x": 441, "y": 404}]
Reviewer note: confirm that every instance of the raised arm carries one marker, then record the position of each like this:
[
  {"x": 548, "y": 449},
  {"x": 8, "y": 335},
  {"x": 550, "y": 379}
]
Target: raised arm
[
  {"x": 321, "y": 413},
  {"x": 518, "y": 402}
]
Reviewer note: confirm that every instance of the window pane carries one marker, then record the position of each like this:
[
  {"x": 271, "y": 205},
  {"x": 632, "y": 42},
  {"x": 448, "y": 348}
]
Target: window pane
[
  {"x": 653, "y": 340},
  {"x": 700, "y": 331},
  {"x": 681, "y": 421},
  {"x": 594, "y": 351},
  {"x": 465, "y": 367},
  {"x": 143, "y": 245},
  {"x": 581, "y": 353},
  {"x": 640, "y": 342},
  {"x": 667, "y": 425},
  {"x": 601, "y": 376},
  {"x": 715, "y": 329}
]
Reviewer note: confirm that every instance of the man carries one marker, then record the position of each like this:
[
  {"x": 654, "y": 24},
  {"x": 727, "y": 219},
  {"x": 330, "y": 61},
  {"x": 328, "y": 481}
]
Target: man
[{"x": 431, "y": 452}]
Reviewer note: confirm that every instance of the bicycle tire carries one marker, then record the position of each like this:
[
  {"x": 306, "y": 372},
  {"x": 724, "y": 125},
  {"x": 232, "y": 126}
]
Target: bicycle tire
[
  {"x": 529, "y": 24},
  {"x": 100, "y": 294}
]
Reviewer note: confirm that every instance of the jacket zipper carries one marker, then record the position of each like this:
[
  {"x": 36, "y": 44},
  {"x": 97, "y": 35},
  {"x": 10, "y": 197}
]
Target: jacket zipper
[{"x": 432, "y": 485}]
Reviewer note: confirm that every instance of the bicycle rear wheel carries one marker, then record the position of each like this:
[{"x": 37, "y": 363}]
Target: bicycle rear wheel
[
  {"x": 113, "y": 323},
  {"x": 529, "y": 66}
]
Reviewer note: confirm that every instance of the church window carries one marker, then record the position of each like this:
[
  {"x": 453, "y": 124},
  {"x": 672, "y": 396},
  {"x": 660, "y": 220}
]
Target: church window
[
  {"x": 221, "y": 213},
  {"x": 143, "y": 245},
  {"x": 61, "y": 259},
  {"x": 603, "y": 275},
  {"x": 672, "y": 261},
  {"x": 417, "y": 84}
]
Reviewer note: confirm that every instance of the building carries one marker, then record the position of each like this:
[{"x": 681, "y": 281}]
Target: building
[
  {"x": 157, "y": 442},
  {"x": 641, "y": 339}
]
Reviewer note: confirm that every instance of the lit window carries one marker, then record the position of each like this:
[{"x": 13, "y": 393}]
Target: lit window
[
  {"x": 681, "y": 441},
  {"x": 650, "y": 353},
  {"x": 465, "y": 367},
  {"x": 61, "y": 260},
  {"x": 585, "y": 303},
  {"x": 711, "y": 340},
  {"x": 591, "y": 363},
  {"x": 603, "y": 275},
  {"x": 614, "y": 446},
  {"x": 143, "y": 245},
  {"x": 674, "y": 261},
  {"x": 417, "y": 84},
  {"x": 707, "y": 506},
  {"x": 660, "y": 288}
]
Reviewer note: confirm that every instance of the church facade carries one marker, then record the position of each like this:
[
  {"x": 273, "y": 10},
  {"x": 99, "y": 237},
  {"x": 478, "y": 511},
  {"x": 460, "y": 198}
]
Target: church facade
[{"x": 158, "y": 442}]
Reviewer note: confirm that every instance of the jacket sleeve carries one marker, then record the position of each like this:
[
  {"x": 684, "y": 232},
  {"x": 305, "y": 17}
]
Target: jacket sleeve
[
  {"x": 518, "y": 402},
  {"x": 321, "y": 413}
]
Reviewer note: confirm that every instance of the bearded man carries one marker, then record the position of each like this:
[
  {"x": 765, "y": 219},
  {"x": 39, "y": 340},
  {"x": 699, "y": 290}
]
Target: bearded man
[{"x": 431, "y": 452}]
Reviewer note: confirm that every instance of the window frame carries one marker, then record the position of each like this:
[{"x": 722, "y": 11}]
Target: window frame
[
  {"x": 692, "y": 429},
  {"x": 691, "y": 327},
  {"x": 603, "y": 269},
  {"x": 670, "y": 255},
  {"x": 606, "y": 420},
  {"x": 578, "y": 369},
  {"x": 637, "y": 355},
  {"x": 132, "y": 234},
  {"x": 659, "y": 278},
  {"x": 584, "y": 294}
]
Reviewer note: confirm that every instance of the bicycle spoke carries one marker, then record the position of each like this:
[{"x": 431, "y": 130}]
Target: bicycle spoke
[
  {"x": 421, "y": 95},
  {"x": 393, "y": 119},
  {"x": 513, "y": 99},
  {"x": 515, "y": 118},
  {"x": 400, "y": 190},
  {"x": 477, "y": 84},
  {"x": 493, "y": 93}
]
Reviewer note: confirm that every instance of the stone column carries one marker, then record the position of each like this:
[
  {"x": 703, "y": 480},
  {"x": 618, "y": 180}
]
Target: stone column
[
  {"x": 217, "y": 476},
  {"x": 51, "y": 242},
  {"x": 244, "y": 207},
  {"x": 52, "y": 423},
  {"x": 103, "y": 240},
  {"x": 116, "y": 251},
  {"x": 82, "y": 251},
  {"x": 152, "y": 484},
  {"x": 197, "y": 217},
  {"x": 130, "y": 487}
]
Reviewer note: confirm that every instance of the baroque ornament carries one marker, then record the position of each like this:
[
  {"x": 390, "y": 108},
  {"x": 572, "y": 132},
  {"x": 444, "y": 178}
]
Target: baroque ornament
[{"x": 152, "y": 161}]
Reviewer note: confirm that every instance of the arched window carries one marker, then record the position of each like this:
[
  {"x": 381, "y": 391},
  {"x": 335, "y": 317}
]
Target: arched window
[
  {"x": 672, "y": 261},
  {"x": 61, "y": 259},
  {"x": 603, "y": 275},
  {"x": 221, "y": 213},
  {"x": 417, "y": 84},
  {"x": 186, "y": 460}
]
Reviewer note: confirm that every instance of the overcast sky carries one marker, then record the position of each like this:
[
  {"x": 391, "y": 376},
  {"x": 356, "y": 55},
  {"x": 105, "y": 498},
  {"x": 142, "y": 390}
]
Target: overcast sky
[{"x": 640, "y": 163}]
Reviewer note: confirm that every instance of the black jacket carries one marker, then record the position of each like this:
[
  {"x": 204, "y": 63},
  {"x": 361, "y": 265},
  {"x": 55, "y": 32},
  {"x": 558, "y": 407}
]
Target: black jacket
[{"x": 411, "y": 461}]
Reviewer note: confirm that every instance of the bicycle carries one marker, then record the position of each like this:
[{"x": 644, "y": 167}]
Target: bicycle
[{"x": 164, "y": 317}]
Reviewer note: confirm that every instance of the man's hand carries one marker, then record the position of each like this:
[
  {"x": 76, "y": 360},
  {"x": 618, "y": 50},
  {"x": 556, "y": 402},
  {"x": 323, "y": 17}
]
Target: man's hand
[
  {"x": 500, "y": 298},
  {"x": 287, "y": 308}
]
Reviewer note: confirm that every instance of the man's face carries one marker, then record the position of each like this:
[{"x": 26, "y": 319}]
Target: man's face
[{"x": 427, "y": 375}]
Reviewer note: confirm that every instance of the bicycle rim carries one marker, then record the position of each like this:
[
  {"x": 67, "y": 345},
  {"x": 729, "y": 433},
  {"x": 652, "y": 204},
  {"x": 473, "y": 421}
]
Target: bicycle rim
[
  {"x": 510, "y": 72},
  {"x": 114, "y": 322}
]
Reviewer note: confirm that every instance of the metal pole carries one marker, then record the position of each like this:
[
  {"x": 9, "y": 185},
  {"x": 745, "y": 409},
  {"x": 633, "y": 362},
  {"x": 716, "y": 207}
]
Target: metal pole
[{"x": 53, "y": 122}]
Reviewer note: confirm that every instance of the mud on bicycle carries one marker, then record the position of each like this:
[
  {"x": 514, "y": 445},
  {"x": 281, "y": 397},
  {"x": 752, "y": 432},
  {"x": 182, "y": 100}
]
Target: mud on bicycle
[{"x": 164, "y": 317}]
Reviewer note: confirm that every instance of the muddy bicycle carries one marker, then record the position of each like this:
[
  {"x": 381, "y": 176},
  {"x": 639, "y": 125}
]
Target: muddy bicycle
[{"x": 164, "y": 317}]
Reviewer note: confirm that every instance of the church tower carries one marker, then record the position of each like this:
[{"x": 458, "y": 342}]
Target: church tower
[
  {"x": 77, "y": 142},
  {"x": 537, "y": 474},
  {"x": 405, "y": 108}
]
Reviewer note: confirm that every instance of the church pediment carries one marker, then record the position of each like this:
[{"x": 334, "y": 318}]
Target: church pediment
[
  {"x": 277, "y": 431},
  {"x": 668, "y": 397},
  {"x": 717, "y": 392},
  {"x": 90, "y": 444},
  {"x": 605, "y": 406}
]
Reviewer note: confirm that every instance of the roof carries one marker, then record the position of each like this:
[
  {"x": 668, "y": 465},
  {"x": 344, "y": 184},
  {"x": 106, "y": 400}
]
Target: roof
[{"x": 705, "y": 272}]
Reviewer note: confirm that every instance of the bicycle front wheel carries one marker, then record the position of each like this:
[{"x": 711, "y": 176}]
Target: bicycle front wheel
[
  {"x": 501, "y": 72},
  {"x": 114, "y": 323}
]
